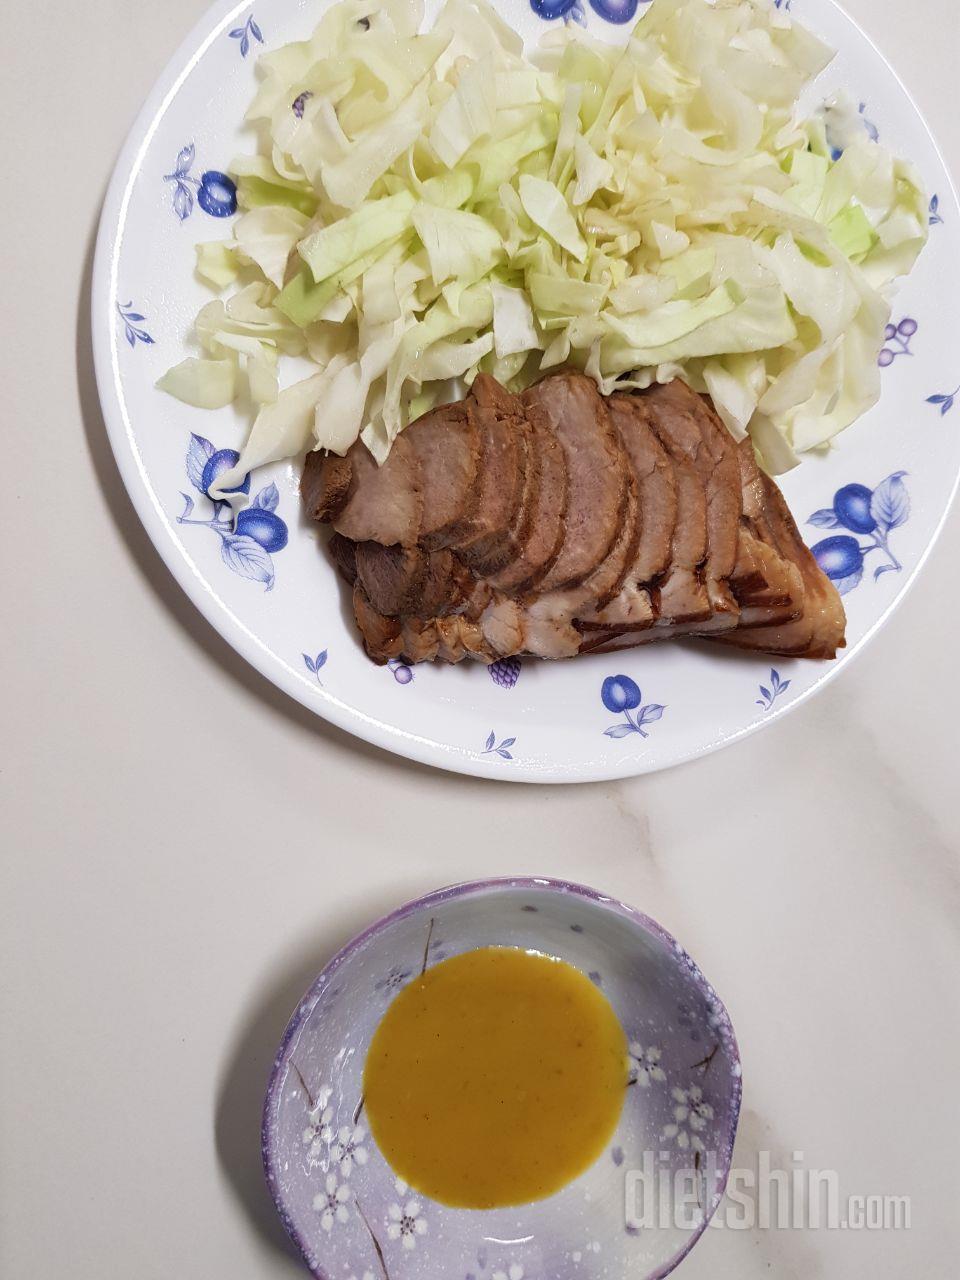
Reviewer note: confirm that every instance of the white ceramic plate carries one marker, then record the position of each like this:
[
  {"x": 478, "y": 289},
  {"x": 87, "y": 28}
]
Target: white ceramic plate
[{"x": 539, "y": 721}]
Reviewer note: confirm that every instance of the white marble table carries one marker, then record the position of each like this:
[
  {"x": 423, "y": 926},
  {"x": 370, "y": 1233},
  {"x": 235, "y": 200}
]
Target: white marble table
[{"x": 151, "y": 948}]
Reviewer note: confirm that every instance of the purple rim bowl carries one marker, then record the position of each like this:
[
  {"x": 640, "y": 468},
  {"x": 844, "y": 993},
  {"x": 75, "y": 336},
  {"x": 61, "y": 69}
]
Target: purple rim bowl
[{"x": 343, "y": 1207}]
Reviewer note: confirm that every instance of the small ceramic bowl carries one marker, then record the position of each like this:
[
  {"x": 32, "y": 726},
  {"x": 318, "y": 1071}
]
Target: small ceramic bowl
[{"x": 637, "y": 1211}]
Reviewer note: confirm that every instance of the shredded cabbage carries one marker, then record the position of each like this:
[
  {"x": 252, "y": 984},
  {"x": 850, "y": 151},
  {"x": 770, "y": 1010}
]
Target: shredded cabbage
[{"x": 426, "y": 205}]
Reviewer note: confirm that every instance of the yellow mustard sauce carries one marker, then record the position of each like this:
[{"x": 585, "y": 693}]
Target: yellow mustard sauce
[{"x": 495, "y": 1078}]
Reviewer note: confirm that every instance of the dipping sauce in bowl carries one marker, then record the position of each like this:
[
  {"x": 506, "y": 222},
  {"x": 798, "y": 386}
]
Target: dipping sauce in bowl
[{"x": 495, "y": 1078}]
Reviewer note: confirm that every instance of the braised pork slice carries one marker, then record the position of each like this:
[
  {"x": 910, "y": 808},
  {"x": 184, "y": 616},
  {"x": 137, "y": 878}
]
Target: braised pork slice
[
  {"x": 683, "y": 419},
  {"x": 400, "y": 580},
  {"x": 510, "y": 498},
  {"x": 499, "y": 482},
  {"x": 767, "y": 582},
  {"x": 537, "y": 554},
  {"x": 767, "y": 588},
  {"x": 384, "y": 504},
  {"x": 818, "y": 632},
  {"x": 325, "y": 483},
  {"x": 596, "y": 475},
  {"x": 549, "y": 621},
  {"x": 447, "y": 443},
  {"x": 560, "y": 523},
  {"x": 637, "y": 603}
]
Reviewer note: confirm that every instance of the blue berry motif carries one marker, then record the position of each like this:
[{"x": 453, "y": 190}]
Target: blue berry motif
[
  {"x": 401, "y": 672},
  {"x": 768, "y": 696},
  {"x": 569, "y": 10},
  {"x": 871, "y": 513},
  {"x": 315, "y": 665},
  {"x": 247, "y": 543},
  {"x": 264, "y": 527},
  {"x": 133, "y": 329},
  {"x": 216, "y": 193},
  {"x": 493, "y": 747},
  {"x": 621, "y": 694},
  {"x": 617, "y": 11},
  {"x": 896, "y": 339},
  {"x": 505, "y": 672},
  {"x": 249, "y": 31}
]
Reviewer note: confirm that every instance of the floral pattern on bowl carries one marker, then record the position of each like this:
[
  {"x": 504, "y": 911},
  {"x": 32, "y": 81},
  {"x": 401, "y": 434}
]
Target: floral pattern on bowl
[{"x": 344, "y": 1206}]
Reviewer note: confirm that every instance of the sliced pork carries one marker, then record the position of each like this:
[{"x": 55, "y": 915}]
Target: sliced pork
[{"x": 561, "y": 522}]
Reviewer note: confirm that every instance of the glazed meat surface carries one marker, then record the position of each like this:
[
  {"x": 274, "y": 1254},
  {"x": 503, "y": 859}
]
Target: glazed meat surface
[{"x": 561, "y": 522}]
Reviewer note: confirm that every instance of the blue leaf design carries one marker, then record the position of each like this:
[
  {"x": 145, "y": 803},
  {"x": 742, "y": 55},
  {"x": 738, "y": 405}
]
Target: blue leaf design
[
  {"x": 199, "y": 451},
  {"x": 507, "y": 742},
  {"x": 238, "y": 33},
  {"x": 504, "y": 754},
  {"x": 945, "y": 401},
  {"x": 321, "y": 659},
  {"x": 785, "y": 685},
  {"x": 244, "y": 45},
  {"x": 255, "y": 30},
  {"x": 187, "y": 505},
  {"x": 884, "y": 568},
  {"x": 648, "y": 714},
  {"x": 774, "y": 678},
  {"x": 247, "y": 558},
  {"x": 765, "y": 692},
  {"x": 825, "y": 518},
  {"x": 183, "y": 202},
  {"x": 133, "y": 315},
  {"x": 268, "y": 498},
  {"x": 185, "y": 160},
  {"x": 309, "y": 663},
  {"x": 491, "y": 740},
  {"x": 620, "y": 730},
  {"x": 890, "y": 504}
]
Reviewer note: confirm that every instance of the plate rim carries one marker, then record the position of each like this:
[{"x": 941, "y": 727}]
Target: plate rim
[{"x": 385, "y": 736}]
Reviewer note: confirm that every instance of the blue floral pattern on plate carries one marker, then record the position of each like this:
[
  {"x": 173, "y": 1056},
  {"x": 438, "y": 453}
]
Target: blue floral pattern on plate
[
  {"x": 248, "y": 542},
  {"x": 621, "y": 694},
  {"x": 505, "y": 672},
  {"x": 945, "y": 400},
  {"x": 400, "y": 671},
  {"x": 132, "y": 325},
  {"x": 315, "y": 665},
  {"x": 249, "y": 31},
  {"x": 896, "y": 338},
  {"x": 769, "y": 695},
  {"x": 492, "y": 747},
  {"x": 873, "y": 133},
  {"x": 867, "y": 512},
  {"x": 615, "y": 11},
  {"x": 216, "y": 192}
]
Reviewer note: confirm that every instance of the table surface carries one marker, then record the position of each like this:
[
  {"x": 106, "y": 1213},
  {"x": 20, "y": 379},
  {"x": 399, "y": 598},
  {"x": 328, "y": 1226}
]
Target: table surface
[{"x": 148, "y": 962}]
